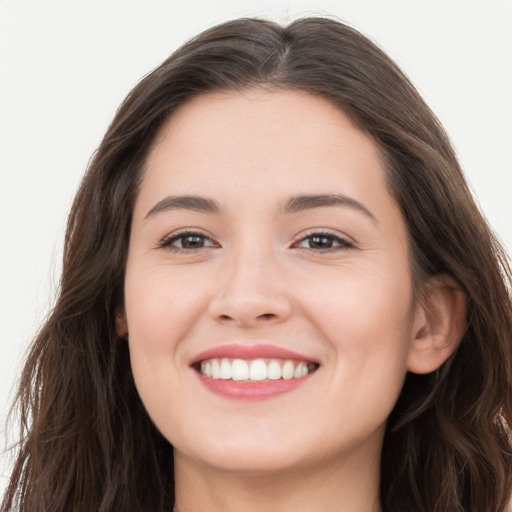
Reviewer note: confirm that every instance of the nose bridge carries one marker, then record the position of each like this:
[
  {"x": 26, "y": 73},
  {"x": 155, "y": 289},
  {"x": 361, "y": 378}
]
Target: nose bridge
[{"x": 251, "y": 290}]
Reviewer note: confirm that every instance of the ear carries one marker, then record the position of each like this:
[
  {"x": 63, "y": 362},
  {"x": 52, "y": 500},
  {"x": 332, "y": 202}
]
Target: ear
[
  {"x": 440, "y": 323},
  {"x": 121, "y": 324}
]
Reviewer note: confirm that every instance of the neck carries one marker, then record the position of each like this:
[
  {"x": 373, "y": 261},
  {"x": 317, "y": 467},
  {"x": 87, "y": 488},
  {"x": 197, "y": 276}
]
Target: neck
[{"x": 348, "y": 486}]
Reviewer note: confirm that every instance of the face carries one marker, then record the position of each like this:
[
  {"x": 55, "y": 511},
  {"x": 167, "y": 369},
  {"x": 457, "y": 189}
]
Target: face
[{"x": 268, "y": 291}]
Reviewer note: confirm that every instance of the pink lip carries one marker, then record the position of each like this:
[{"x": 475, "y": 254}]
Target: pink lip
[
  {"x": 247, "y": 352},
  {"x": 252, "y": 390}
]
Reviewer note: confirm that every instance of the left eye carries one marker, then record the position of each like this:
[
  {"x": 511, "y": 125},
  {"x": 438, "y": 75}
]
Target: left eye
[
  {"x": 323, "y": 241},
  {"x": 188, "y": 241}
]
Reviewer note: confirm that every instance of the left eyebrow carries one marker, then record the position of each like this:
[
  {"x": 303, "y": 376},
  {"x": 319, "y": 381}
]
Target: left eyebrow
[
  {"x": 194, "y": 203},
  {"x": 306, "y": 202}
]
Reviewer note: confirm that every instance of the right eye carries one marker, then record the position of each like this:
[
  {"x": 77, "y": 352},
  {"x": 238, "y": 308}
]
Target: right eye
[{"x": 186, "y": 241}]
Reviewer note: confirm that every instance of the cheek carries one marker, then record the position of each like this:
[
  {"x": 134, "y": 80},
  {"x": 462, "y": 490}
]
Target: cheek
[
  {"x": 359, "y": 299},
  {"x": 161, "y": 306},
  {"x": 162, "y": 310},
  {"x": 366, "y": 318}
]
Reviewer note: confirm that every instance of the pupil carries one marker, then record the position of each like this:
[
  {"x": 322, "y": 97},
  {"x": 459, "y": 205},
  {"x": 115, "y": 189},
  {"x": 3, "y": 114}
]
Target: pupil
[
  {"x": 320, "y": 242},
  {"x": 191, "y": 242}
]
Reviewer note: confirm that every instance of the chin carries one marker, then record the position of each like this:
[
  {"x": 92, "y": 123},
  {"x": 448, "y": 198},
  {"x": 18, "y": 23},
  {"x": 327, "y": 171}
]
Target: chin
[
  {"x": 251, "y": 462},
  {"x": 247, "y": 454}
]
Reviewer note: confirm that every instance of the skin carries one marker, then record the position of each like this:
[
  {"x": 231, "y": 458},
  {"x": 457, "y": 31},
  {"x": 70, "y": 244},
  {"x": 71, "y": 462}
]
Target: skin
[{"x": 259, "y": 279}]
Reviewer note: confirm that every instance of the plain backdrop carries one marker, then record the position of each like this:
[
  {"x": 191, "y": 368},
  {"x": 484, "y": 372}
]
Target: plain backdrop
[{"x": 65, "y": 67}]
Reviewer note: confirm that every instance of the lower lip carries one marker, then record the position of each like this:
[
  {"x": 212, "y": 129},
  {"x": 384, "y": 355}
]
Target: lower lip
[{"x": 251, "y": 390}]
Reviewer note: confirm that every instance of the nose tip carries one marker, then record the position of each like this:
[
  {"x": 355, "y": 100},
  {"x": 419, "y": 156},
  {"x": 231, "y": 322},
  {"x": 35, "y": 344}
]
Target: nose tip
[{"x": 250, "y": 301}]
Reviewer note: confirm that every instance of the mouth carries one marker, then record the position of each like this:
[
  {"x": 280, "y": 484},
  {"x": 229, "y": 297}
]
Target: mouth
[{"x": 252, "y": 371}]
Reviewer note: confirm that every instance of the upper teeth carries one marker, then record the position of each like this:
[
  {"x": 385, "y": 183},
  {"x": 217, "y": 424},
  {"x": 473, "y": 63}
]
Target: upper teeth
[{"x": 258, "y": 369}]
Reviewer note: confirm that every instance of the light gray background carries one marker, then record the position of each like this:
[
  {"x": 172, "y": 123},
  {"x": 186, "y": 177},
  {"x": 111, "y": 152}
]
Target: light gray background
[{"x": 65, "y": 67}]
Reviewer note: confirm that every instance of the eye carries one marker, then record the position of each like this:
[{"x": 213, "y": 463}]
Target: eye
[
  {"x": 324, "y": 242},
  {"x": 186, "y": 241}
]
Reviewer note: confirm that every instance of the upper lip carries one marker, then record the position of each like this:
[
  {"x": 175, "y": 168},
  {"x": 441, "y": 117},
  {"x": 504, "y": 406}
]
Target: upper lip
[{"x": 248, "y": 352}]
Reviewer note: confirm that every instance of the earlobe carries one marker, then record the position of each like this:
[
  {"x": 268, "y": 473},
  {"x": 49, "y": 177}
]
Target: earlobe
[
  {"x": 440, "y": 324},
  {"x": 121, "y": 325}
]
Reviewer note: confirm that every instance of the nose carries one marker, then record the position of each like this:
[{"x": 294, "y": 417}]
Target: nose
[{"x": 251, "y": 292}]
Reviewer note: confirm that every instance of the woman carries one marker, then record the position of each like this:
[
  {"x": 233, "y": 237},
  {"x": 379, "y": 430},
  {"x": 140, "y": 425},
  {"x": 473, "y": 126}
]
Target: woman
[{"x": 277, "y": 294}]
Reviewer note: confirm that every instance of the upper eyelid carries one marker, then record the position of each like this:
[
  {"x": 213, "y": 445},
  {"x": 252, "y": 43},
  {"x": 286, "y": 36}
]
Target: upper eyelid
[
  {"x": 176, "y": 235},
  {"x": 325, "y": 232},
  {"x": 187, "y": 231}
]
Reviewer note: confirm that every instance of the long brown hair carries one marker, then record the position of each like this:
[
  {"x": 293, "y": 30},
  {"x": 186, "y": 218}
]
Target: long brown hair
[{"x": 87, "y": 442}]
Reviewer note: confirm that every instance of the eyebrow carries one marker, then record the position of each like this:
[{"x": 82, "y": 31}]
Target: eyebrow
[
  {"x": 194, "y": 203},
  {"x": 306, "y": 202},
  {"x": 292, "y": 205}
]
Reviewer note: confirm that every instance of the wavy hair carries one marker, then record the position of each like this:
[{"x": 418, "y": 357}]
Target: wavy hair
[{"x": 87, "y": 442}]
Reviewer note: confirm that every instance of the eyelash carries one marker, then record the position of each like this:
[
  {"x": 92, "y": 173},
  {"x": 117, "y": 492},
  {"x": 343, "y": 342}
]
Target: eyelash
[
  {"x": 167, "y": 242},
  {"x": 344, "y": 244}
]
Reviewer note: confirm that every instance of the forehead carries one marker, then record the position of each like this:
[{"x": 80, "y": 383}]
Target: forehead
[{"x": 256, "y": 148}]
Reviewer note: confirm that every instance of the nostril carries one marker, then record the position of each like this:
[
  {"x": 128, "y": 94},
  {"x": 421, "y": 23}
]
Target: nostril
[{"x": 267, "y": 316}]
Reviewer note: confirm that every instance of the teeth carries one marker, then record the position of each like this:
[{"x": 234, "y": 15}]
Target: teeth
[
  {"x": 239, "y": 370},
  {"x": 256, "y": 370},
  {"x": 274, "y": 370},
  {"x": 215, "y": 369},
  {"x": 225, "y": 369},
  {"x": 298, "y": 371},
  {"x": 288, "y": 370}
]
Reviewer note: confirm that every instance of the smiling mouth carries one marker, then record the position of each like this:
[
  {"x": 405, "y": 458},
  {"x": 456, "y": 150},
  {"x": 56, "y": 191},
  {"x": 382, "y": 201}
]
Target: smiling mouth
[{"x": 255, "y": 370}]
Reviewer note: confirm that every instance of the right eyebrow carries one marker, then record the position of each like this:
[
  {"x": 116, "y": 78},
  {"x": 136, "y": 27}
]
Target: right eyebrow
[
  {"x": 309, "y": 201},
  {"x": 194, "y": 203}
]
